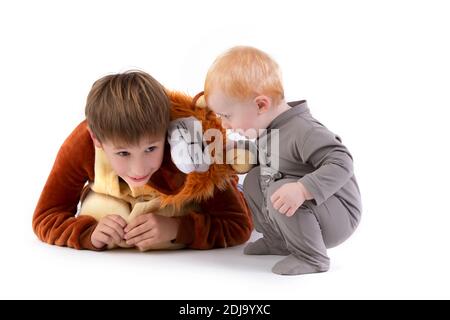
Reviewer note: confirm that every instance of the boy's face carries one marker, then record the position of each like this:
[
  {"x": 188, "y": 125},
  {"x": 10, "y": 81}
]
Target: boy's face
[
  {"x": 135, "y": 163},
  {"x": 243, "y": 117}
]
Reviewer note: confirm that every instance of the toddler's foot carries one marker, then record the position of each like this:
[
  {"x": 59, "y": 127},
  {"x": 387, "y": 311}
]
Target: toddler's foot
[
  {"x": 291, "y": 265},
  {"x": 261, "y": 246}
]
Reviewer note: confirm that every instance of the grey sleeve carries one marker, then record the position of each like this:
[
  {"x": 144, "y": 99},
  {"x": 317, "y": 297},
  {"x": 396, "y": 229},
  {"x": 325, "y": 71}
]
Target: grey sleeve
[{"x": 331, "y": 159}]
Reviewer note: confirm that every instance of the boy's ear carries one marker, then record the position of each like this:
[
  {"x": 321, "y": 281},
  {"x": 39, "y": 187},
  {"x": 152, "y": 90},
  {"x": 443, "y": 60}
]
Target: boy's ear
[
  {"x": 97, "y": 143},
  {"x": 263, "y": 103}
]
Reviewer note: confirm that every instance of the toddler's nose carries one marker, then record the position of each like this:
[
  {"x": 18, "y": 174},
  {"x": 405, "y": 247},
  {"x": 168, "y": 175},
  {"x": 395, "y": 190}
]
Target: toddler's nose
[{"x": 225, "y": 124}]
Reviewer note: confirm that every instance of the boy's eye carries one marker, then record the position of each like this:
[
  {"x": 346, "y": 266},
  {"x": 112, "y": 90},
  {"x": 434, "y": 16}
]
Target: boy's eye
[
  {"x": 123, "y": 153},
  {"x": 225, "y": 116},
  {"x": 151, "y": 149}
]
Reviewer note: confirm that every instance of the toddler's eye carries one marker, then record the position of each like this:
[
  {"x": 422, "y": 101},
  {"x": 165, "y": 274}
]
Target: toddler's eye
[
  {"x": 224, "y": 116},
  {"x": 151, "y": 149}
]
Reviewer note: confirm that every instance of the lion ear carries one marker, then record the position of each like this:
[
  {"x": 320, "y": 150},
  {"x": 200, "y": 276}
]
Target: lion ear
[{"x": 201, "y": 102}]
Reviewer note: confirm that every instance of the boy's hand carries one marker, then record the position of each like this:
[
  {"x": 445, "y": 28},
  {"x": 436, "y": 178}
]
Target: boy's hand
[
  {"x": 109, "y": 230},
  {"x": 149, "y": 229},
  {"x": 289, "y": 197}
]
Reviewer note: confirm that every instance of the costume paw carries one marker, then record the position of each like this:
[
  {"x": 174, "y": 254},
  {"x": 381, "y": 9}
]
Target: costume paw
[{"x": 241, "y": 155}]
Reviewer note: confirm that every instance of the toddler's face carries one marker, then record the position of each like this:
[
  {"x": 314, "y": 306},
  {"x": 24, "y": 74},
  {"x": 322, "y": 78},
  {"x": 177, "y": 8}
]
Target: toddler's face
[
  {"x": 136, "y": 163},
  {"x": 240, "y": 116}
]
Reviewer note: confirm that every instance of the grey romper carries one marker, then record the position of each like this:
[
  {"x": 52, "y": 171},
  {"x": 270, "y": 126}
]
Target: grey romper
[{"x": 309, "y": 153}]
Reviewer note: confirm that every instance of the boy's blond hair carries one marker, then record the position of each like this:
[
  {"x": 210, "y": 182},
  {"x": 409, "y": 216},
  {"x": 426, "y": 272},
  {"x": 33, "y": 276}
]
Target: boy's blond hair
[
  {"x": 244, "y": 73},
  {"x": 126, "y": 107}
]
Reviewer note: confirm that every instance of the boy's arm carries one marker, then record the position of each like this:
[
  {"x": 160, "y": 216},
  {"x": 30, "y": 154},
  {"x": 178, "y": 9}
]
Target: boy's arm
[
  {"x": 54, "y": 218},
  {"x": 224, "y": 221},
  {"x": 333, "y": 162}
]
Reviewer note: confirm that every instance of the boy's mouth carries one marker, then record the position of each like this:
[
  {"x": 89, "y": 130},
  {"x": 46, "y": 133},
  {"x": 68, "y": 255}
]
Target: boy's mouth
[{"x": 140, "y": 179}]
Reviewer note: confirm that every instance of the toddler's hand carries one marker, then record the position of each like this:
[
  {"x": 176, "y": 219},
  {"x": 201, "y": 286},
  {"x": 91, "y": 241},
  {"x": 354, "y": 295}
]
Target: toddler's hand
[
  {"x": 289, "y": 197},
  {"x": 109, "y": 231}
]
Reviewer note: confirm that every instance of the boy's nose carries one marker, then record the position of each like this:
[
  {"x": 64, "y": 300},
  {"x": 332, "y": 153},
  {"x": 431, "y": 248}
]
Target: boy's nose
[{"x": 139, "y": 169}]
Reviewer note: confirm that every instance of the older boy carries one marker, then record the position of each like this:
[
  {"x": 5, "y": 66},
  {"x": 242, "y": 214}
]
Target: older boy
[
  {"x": 303, "y": 197},
  {"x": 121, "y": 153}
]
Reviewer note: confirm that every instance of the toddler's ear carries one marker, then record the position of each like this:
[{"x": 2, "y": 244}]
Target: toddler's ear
[{"x": 263, "y": 102}]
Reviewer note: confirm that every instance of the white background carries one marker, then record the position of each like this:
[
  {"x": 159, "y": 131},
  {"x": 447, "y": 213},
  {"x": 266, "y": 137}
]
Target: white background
[{"x": 375, "y": 72}]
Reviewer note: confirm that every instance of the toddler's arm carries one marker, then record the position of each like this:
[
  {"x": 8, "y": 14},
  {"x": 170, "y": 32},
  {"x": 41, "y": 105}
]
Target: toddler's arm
[{"x": 333, "y": 163}]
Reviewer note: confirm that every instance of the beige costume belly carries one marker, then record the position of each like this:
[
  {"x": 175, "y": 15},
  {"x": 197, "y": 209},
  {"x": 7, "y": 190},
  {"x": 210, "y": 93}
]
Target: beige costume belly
[{"x": 100, "y": 205}]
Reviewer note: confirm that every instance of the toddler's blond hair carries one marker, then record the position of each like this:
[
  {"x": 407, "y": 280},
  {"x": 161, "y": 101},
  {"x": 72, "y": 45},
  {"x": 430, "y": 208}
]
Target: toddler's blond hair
[{"x": 244, "y": 73}]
